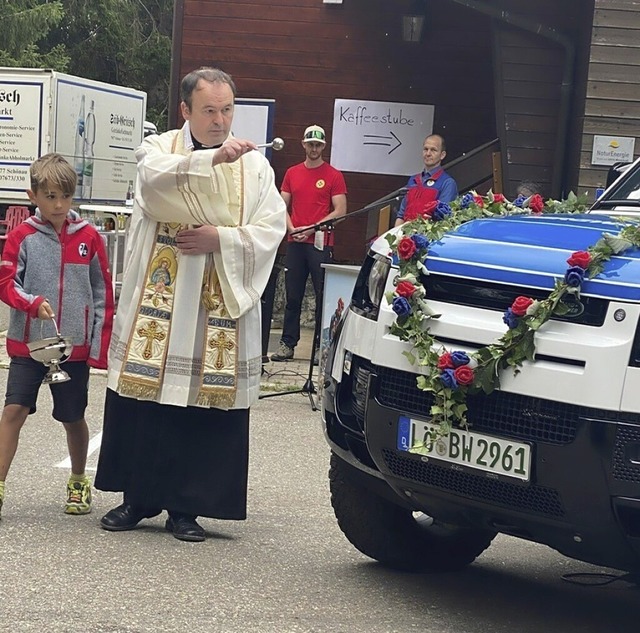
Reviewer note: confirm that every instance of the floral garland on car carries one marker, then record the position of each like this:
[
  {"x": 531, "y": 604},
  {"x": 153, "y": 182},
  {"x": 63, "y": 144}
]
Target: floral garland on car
[{"x": 452, "y": 375}]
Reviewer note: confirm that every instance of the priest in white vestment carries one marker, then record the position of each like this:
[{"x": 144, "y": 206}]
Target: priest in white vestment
[{"x": 185, "y": 355}]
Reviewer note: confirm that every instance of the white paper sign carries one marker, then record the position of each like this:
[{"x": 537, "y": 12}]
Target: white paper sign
[
  {"x": 253, "y": 120},
  {"x": 608, "y": 150},
  {"x": 378, "y": 137}
]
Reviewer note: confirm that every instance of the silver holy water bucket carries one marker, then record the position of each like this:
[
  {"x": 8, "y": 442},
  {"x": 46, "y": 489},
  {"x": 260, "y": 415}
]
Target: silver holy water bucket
[{"x": 51, "y": 352}]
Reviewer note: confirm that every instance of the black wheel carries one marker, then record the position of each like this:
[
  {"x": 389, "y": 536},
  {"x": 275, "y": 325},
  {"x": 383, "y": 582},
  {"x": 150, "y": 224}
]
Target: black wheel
[{"x": 395, "y": 536}]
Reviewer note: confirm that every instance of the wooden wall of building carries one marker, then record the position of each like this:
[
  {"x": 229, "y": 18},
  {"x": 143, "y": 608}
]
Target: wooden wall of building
[
  {"x": 613, "y": 93},
  {"x": 529, "y": 72},
  {"x": 305, "y": 54},
  {"x": 535, "y": 45}
]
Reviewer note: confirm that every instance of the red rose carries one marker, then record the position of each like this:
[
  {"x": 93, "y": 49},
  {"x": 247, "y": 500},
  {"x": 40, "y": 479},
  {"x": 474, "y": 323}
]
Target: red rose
[
  {"x": 429, "y": 208},
  {"x": 580, "y": 258},
  {"x": 411, "y": 213},
  {"x": 405, "y": 289},
  {"x": 520, "y": 305},
  {"x": 536, "y": 204},
  {"x": 498, "y": 197},
  {"x": 445, "y": 362},
  {"x": 464, "y": 375},
  {"x": 479, "y": 200},
  {"x": 406, "y": 248}
]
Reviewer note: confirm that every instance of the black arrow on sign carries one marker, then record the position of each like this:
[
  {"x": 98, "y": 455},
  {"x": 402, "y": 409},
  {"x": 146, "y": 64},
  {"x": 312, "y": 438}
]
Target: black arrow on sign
[{"x": 386, "y": 138}]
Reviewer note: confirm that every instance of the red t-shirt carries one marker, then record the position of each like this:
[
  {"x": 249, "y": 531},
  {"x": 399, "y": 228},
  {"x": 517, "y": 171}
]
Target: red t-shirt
[{"x": 311, "y": 191}]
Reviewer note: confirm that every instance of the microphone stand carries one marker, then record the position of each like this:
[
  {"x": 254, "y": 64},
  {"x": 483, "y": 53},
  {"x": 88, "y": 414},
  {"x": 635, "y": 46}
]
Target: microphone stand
[
  {"x": 328, "y": 225},
  {"x": 309, "y": 388}
]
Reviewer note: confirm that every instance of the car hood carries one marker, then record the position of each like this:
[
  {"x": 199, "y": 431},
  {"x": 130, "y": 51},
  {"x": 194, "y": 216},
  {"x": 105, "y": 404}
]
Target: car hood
[{"x": 532, "y": 251}]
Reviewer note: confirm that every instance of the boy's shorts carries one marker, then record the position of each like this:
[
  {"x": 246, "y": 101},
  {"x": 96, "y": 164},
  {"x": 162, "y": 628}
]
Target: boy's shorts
[{"x": 69, "y": 398}]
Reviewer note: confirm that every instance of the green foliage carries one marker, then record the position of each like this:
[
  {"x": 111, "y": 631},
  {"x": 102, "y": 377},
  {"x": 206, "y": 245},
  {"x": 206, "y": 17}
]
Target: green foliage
[
  {"x": 25, "y": 22},
  {"x": 123, "y": 42},
  {"x": 31, "y": 57}
]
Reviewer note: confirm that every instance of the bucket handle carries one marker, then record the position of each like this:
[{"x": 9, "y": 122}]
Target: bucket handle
[{"x": 55, "y": 325}]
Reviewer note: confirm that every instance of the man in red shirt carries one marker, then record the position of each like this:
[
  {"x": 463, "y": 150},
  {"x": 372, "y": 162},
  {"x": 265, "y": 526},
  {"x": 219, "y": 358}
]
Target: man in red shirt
[{"x": 314, "y": 192}]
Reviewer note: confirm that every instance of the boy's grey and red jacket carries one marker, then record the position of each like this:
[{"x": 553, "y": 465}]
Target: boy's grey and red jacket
[{"x": 70, "y": 271}]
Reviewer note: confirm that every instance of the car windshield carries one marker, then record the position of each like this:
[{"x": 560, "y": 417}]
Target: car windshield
[
  {"x": 624, "y": 192},
  {"x": 628, "y": 189}
]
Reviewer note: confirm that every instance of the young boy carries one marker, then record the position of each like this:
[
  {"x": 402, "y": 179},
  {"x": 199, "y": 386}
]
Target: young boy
[{"x": 54, "y": 266}]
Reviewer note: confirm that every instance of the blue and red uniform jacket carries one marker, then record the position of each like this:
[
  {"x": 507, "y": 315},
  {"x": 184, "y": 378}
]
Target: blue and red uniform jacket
[{"x": 425, "y": 187}]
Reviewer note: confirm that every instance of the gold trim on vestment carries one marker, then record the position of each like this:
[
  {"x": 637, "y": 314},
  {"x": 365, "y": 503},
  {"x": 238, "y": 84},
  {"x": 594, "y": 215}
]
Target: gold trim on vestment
[{"x": 145, "y": 356}]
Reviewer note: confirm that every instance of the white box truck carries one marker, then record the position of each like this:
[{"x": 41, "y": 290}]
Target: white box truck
[{"x": 96, "y": 126}]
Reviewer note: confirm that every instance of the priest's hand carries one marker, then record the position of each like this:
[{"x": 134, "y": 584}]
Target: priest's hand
[
  {"x": 231, "y": 150},
  {"x": 198, "y": 241}
]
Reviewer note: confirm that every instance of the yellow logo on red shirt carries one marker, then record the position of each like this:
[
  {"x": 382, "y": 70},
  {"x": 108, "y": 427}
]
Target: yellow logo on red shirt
[{"x": 320, "y": 184}]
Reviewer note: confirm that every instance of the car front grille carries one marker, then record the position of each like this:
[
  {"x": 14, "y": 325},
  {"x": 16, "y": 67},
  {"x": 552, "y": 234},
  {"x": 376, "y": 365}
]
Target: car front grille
[
  {"x": 626, "y": 453},
  {"x": 499, "y": 413},
  {"x": 530, "y": 499},
  {"x": 494, "y": 296}
]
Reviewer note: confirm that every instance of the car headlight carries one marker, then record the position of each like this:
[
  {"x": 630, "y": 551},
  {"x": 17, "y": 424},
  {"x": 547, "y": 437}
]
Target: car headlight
[
  {"x": 378, "y": 279},
  {"x": 369, "y": 288}
]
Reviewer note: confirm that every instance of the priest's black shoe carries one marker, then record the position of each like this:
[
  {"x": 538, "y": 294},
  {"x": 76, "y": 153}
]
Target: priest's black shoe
[
  {"x": 184, "y": 527},
  {"x": 125, "y": 517}
]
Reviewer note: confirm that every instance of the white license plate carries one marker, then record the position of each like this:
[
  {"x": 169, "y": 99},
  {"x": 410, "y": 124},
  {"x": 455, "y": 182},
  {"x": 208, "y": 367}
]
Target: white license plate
[{"x": 467, "y": 448}]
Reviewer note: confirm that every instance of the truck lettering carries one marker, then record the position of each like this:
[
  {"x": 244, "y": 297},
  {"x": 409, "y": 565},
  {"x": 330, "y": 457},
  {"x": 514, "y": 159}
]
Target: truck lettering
[
  {"x": 121, "y": 119},
  {"x": 12, "y": 96}
]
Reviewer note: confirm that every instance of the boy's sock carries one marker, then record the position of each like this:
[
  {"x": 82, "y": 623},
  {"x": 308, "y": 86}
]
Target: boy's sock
[
  {"x": 78, "y": 495},
  {"x": 1, "y": 495}
]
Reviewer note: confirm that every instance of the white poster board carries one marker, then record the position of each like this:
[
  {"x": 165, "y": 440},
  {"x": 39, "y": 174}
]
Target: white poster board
[
  {"x": 97, "y": 128},
  {"x": 608, "y": 150},
  {"x": 21, "y": 132},
  {"x": 253, "y": 120},
  {"x": 379, "y": 137},
  {"x": 339, "y": 281}
]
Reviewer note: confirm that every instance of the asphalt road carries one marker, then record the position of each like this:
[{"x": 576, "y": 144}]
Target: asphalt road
[{"x": 287, "y": 569}]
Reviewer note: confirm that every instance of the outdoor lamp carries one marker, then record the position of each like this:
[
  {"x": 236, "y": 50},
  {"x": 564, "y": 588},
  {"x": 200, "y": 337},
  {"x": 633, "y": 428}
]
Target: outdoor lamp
[{"x": 413, "y": 22}]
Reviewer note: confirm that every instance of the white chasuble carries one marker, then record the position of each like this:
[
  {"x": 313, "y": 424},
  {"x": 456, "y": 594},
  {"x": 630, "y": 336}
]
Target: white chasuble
[{"x": 187, "y": 329}]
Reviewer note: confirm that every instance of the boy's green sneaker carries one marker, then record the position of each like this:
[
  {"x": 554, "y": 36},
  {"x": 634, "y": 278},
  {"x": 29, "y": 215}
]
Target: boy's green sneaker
[{"x": 78, "y": 496}]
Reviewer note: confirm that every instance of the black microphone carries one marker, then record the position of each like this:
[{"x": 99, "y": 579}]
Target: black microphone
[{"x": 397, "y": 194}]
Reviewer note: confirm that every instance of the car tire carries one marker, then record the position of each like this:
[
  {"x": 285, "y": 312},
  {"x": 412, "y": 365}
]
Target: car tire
[{"x": 393, "y": 535}]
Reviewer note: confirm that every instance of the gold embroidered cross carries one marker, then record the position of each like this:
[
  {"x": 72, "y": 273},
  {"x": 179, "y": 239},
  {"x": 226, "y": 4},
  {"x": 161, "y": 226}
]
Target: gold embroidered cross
[
  {"x": 152, "y": 333},
  {"x": 222, "y": 344}
]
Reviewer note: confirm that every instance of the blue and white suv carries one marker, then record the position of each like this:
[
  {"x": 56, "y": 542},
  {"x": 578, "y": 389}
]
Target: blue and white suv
[{"x": 570, "y": 421}]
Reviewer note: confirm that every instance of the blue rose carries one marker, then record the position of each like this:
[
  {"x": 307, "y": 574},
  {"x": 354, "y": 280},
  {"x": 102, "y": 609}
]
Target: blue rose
[
  {"x": 420, "y": 241},
  {"x": 574, "y": 276},
  {"x": 519, "y": 201},
  {"x": 442, "y": 211},
  {"x": 401, "y": 306},
  {"x": 448, "y": 379},
  {"x": 459, "y": 358},
  {"x": 395, "y": 260},
  {"x": 467, "y": 199},
  {"x": 510, "y": 319}
]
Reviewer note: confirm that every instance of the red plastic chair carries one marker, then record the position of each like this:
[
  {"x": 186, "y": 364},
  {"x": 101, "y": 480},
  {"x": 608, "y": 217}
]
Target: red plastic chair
[{"x": 15, "y": 215}]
